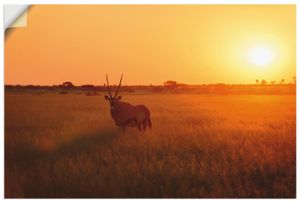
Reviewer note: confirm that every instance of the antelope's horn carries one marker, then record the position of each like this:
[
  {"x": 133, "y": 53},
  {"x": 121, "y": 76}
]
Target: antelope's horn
[
  {"x": 107, "y": 84},
  {"x": 119, "y": 86}
]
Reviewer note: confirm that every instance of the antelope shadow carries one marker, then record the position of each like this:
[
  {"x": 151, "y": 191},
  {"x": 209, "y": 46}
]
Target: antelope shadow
[{"x": 26, "y": 154}]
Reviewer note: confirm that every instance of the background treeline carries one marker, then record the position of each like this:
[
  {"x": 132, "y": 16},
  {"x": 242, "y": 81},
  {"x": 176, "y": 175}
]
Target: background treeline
[{"x": 167, "y": 87}]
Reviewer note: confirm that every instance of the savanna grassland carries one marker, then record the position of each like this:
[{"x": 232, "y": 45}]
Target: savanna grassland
[{"x": 200, "y": 146}]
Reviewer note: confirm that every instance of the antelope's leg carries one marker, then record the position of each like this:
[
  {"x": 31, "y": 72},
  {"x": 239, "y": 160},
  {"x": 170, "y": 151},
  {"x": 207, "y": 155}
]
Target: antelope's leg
[
  {"x": 138, "y": 124},
  {"x": 149, "y": 122},
  {"x": 145, "y": 123},
  {"x": 121, "y": 127}
]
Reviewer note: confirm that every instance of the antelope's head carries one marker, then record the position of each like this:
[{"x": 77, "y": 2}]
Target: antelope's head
[{"x": 113, "y": 101}]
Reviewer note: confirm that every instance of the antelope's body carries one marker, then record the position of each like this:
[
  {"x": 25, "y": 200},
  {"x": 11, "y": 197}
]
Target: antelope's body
[{"x": 126, "y": 114}]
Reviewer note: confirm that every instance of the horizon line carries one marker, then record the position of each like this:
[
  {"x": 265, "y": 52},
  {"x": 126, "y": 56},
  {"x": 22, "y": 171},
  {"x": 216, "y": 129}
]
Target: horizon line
[{"x": 179, "y": 84}]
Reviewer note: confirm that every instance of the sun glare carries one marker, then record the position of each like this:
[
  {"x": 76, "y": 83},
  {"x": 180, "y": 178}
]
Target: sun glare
[{"x": 260, "y": 56}]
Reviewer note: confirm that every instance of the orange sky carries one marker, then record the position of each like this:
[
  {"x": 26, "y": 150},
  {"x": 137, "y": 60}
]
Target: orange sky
[{"x": 151, "y": 44}]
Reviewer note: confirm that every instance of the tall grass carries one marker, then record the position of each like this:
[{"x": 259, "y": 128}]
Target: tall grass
[{"x": 199, "y": 146}]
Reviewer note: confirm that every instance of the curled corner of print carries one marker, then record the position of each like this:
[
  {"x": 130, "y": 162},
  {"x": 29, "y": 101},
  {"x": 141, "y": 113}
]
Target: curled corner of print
[{"x": 15, "y": 16}]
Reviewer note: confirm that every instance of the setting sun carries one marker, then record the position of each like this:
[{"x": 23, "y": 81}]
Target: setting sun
[{"x": 260, "y": 56}]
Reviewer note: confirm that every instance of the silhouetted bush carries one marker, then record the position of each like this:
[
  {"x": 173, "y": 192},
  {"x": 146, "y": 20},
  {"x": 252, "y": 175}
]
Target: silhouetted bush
[
  {"x": 67, "y": 84},
  {"x": 170, "y": 84}
]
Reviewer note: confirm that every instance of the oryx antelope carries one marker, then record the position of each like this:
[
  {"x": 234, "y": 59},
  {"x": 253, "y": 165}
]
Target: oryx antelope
[{"x": 125, "y": 114}]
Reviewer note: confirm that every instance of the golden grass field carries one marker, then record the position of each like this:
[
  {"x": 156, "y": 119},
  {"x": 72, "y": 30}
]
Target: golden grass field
[{"x": 200, "y": 146}]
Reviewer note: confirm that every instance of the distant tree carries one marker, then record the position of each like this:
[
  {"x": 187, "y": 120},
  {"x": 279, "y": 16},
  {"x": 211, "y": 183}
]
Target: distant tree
[
  {"x": 170, "y": 84},
  {"x": 257, "y": 81},
  {"x": 281, "y": 81},
  {"x": 294, "y": 79},
  {"x": 67, "y": 84},
  {"x": 263, "y": 82},
  {"x": 273, "y": 82}
]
